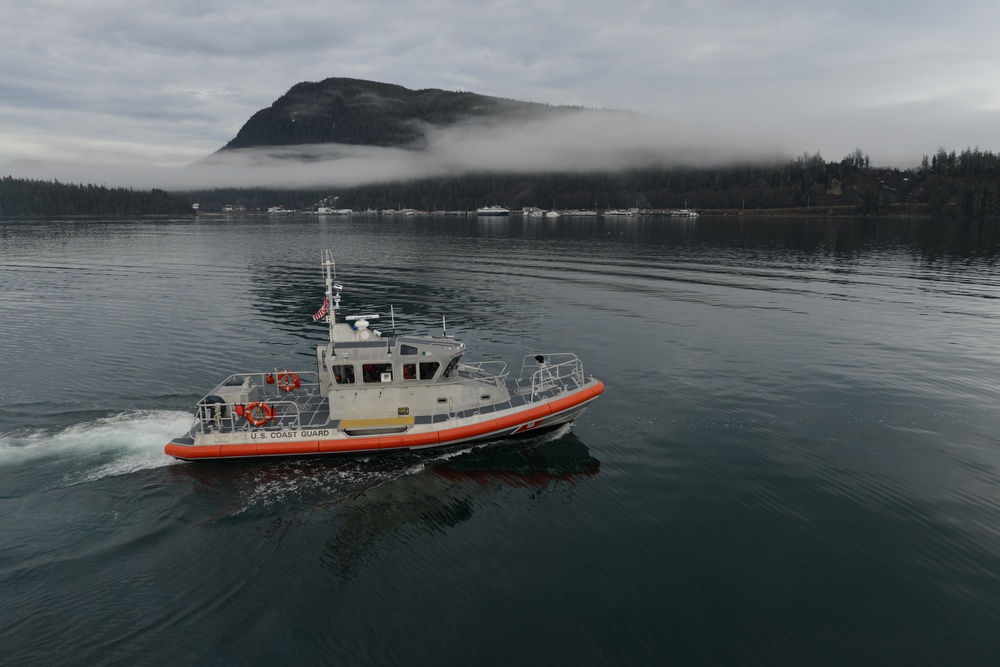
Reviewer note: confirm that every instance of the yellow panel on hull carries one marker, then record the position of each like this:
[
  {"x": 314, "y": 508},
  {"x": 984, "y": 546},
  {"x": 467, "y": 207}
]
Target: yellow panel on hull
[{"x": 375, "y": 423}]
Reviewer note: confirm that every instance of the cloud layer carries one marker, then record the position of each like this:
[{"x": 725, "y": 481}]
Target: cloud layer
[{"x": 578, "y": 140}]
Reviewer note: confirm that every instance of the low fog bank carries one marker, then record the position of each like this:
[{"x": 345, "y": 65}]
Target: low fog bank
[{"x": 577, "y": 141}]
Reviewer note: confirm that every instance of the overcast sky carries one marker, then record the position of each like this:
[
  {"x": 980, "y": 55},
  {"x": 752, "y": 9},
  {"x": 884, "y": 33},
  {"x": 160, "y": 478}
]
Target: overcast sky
[{"x": 134, "y": 83}]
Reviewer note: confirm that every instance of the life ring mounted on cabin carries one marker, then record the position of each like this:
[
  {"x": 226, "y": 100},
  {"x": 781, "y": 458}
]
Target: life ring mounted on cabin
[
  {"x": 287, "y": 381},
  {"x": 258, "y": 413}
]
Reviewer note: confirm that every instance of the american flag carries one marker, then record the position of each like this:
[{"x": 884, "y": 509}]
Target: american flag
[{"x": 323, "y": 310}]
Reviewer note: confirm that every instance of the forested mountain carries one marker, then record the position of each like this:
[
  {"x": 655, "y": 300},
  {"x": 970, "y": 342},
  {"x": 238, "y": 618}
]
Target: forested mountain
[
  {"x": 22, "y": 197},
  {"x": 352, "y": 111},
  {"x": 946, "y": 184}
]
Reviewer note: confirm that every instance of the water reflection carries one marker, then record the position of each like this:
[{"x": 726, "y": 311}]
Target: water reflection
[
  {"x": 448, "y": 492},
  {"x": 459, "y": 282},
  {"x": 552, "y": 463},
  {"x": 426, "y": 266}
]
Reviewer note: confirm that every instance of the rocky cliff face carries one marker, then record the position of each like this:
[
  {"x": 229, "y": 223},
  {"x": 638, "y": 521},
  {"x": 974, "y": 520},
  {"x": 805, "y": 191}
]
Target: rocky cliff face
[{"x": 352, "y": 111}]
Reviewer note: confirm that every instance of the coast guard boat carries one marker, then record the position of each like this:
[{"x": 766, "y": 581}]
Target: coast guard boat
[{"x": 375, "y": 392}]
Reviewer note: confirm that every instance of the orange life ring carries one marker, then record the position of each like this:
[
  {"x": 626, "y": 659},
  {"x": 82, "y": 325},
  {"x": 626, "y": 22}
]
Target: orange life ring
[
  {"x": 288, "y": 380},
  {"x": 258, "y": 413}
]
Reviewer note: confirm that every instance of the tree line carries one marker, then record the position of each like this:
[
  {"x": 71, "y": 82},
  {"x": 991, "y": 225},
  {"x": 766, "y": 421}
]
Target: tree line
[
  {"x": 946, "y": 184},
  {"x": 965, "y": 184},
  {"x": 22, "y": 197}
]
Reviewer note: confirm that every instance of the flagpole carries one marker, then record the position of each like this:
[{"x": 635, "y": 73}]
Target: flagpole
[{"x": 332, "y": 300}]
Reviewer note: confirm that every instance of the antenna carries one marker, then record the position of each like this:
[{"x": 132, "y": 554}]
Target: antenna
[
  {"x": 444, "y": 327},
  {"x": 333, "y": 288},
  {"x": 392, "y": 314}
]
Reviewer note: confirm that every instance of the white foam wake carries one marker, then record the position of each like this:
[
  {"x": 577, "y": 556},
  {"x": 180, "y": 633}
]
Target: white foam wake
[{"x": 134, "y": 439}]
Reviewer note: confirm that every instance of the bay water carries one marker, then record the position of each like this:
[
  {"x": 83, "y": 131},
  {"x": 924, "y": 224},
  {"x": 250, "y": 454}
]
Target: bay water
[{"x": 795, "y": 460}]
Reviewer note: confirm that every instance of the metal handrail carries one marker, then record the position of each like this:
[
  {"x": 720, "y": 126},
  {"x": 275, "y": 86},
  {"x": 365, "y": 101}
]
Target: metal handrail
[
  {"x": 259, "y": 379},
  {"x": 559, "y": 367},
  {"x": 211, "y": 415},
  {"x": 222, "y": 418},
  {"x": 484, "y": 371}
]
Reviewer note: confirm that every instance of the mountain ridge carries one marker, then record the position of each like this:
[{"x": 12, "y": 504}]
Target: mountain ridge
[{"x": 371, "y": 113}]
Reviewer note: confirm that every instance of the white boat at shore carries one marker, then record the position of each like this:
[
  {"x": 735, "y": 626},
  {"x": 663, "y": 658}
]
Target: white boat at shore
[
  {"x": 492, "y": 211},
  {"x": 684, "y": 212}
]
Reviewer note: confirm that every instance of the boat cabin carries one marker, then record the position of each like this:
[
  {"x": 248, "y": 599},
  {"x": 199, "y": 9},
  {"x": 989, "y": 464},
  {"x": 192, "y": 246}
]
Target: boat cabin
[{"x": 374, "y": 362}]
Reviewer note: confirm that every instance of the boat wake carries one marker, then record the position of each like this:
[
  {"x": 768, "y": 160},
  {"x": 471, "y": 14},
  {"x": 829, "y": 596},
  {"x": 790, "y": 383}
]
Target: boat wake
[{"x": 116, "y": 445}]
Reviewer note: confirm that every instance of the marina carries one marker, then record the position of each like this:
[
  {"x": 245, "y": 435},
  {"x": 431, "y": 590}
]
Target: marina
[{"x": 492, "y": 211}]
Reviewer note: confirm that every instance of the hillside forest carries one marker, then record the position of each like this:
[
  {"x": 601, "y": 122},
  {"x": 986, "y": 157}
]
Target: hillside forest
[
  {"x": 950, "y": 184},
  {"x": 965, "y": 184}
]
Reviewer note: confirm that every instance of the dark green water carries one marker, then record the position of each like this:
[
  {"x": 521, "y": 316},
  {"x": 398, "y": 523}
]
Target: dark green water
[{"x": 795, "y": 460}]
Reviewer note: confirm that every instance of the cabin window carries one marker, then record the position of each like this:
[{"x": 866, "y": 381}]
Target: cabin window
[
  {"x": 376, "y": 372},
  {"x": 408, "y": 349},
  {"x": 344, "y": 374},
  {"x": 427, "y": 370},
  {"x": 452, "y": 365}
]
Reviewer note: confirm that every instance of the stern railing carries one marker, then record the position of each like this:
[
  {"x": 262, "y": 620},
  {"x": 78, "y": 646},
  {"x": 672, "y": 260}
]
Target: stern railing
[{"x": 217, "y": 411}]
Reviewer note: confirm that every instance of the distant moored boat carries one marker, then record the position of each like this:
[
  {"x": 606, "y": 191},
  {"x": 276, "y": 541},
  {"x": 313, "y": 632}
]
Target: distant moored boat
[
  {"x": 492, "y": 210},
  {"x": 684, "y": 212}
]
